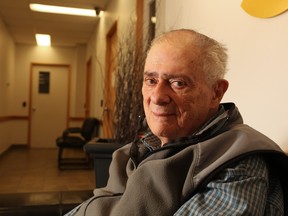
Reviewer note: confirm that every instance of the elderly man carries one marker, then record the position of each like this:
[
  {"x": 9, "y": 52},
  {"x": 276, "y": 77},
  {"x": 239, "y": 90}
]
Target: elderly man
[{"x": 197, "y": 157}]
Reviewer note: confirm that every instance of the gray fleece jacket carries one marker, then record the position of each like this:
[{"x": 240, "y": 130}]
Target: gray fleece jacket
[{"x": 146, "y": 182}]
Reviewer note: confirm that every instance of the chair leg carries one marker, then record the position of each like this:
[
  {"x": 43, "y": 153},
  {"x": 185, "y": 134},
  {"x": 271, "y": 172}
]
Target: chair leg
[
  {"x": 73, "y": 163},
  {"x": 60, "y": 151}
]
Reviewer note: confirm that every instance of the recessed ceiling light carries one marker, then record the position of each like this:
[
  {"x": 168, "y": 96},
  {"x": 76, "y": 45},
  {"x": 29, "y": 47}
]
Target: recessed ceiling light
[
  {"x": 43, "y": 40},
  {"x": 63, "y": 10}
]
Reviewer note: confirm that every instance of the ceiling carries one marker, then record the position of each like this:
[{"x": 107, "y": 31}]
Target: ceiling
[{"x": 65, "y": 30}]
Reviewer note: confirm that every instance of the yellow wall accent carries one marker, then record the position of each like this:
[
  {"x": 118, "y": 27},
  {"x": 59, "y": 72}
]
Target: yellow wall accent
[{"x": 264, "y": 8}]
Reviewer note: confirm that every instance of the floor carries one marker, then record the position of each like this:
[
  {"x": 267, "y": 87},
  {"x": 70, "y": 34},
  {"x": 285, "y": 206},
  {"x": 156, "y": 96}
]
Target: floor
[{"x": 24, "y": 170}]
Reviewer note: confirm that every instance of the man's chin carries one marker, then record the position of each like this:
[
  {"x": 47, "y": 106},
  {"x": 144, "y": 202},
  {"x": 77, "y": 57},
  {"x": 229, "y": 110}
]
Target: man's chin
[{"x": 163, "y": 132}]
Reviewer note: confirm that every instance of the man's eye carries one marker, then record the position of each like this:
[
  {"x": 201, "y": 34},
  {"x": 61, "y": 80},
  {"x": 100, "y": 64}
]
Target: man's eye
[
  {"x": 150, "y": 81},
  {"x": 178, "y": 84}
]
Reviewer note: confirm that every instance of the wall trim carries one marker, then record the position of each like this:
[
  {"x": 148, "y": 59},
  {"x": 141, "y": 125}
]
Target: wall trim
[{"x": 13, "y": 117}]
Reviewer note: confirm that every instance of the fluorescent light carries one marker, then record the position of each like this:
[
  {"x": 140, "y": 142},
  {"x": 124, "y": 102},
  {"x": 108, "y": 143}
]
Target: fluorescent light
[
  {"x": 43, "y": 40},
  {"x": 63, "y": 10}
]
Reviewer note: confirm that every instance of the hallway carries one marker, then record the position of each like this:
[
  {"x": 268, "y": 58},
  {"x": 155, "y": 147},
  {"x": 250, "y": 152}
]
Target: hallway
[{"x": 24, "y": 170}]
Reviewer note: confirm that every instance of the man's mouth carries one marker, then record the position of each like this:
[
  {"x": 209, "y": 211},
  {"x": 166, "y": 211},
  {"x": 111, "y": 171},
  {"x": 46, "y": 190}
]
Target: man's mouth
[{"x": 162, "y": 114}]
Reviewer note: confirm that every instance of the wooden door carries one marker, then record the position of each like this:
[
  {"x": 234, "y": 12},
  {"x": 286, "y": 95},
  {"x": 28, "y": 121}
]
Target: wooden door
[
  {"x": 88, "y": 88},
  {"x": 109, "y": 88}
]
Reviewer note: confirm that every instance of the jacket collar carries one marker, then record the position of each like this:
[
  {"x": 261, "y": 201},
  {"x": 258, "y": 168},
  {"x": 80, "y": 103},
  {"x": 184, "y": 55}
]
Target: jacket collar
[{"x": 227, "y": 112}]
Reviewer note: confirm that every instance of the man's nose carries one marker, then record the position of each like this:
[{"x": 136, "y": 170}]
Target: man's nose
[{"x": 160, "y": 94}]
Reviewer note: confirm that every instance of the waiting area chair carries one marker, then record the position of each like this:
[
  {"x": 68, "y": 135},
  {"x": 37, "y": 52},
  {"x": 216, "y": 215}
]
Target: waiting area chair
[{"x": 76, "y": 138}]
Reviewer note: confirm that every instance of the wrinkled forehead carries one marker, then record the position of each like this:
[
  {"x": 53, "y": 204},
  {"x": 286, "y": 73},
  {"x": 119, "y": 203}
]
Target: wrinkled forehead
[
  {"x": 177, "y": 38},
  {"x": 176, "y": 50},
  {"x": 180, "y": 42}
]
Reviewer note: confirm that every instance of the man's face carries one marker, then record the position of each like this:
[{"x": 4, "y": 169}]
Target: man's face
[{"x": 177, "y": 100}]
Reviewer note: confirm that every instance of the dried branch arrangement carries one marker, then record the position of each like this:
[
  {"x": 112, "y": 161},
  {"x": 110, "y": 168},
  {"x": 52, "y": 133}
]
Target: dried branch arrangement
[{"x": 128, "y": 77}]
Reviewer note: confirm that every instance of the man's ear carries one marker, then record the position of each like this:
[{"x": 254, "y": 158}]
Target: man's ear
[{"x": 219, "y": 88}]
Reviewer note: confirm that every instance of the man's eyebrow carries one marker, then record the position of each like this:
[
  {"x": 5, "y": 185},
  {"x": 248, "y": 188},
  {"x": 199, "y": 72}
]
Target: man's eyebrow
[
  {"x": 165, "y": 76},
  {"x": 155, "y": 74},
  {"x": 147, "y": 73}
]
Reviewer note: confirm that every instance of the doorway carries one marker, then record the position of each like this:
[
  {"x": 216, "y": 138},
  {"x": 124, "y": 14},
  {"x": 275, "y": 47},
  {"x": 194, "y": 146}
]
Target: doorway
[
  {"x": 109, "y": 88},
  {"x": 49, "y": 104}
]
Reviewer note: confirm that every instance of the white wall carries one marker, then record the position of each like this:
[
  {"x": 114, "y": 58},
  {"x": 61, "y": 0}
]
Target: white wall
[
  {"x": 258, "y": 69},
  {"x": 7, "y": 73},
  {"x": 121, "y": 12},
  {"x": 7, "y": 51}
]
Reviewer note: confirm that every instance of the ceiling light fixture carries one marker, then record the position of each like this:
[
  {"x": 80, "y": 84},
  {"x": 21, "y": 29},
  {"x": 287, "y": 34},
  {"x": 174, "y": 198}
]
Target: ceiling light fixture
[
  {"x": 63, "y": 10},
  {"x": 43, "y": 39}
]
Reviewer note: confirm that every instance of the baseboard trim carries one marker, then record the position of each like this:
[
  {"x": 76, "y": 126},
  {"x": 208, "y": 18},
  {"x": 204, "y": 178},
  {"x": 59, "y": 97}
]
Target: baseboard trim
[{"x": 8, "y": 148}]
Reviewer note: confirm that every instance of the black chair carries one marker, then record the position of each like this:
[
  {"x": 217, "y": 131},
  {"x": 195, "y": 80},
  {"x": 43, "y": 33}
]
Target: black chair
[{"x": 76, "y": 138}]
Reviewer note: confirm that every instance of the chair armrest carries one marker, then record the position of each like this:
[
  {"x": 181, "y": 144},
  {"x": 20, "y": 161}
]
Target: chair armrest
[{"x": 71, "y": 130}]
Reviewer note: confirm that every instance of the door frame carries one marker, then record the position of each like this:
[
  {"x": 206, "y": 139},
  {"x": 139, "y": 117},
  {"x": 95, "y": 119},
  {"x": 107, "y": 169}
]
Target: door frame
[
  {"x": 108, "y": 129},
  {"x": 31, "y": 93},
  {"x": 88, "y": 87}
]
